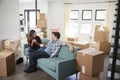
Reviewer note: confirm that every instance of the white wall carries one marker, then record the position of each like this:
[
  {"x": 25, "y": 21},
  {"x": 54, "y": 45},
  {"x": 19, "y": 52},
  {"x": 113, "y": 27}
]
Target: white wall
[
  {"x": 9, "y": 19},
  {"x": 41, "y": 5},
  {"x": 56, "y": 17}
]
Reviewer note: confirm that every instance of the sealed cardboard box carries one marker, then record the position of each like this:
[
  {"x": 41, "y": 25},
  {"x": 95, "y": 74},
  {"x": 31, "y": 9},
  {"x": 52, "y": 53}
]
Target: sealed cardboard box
[
  {"x": 85, "y": 77},
  {"x": 90, "y": 61},
  {"x": 7, "y": 63},
  {"x": 71, "y": 39},
  {"x": 81, "y": 45},
  {"x": 42, "y": 24},
  {"x": 101, "y": 34},
  {"x": 42, "y": 16},
  {"x": 103, "y": 46}
]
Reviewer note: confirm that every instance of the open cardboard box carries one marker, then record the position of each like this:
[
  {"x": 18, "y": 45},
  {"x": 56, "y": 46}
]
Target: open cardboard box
[{"x": 101, "y": 34}]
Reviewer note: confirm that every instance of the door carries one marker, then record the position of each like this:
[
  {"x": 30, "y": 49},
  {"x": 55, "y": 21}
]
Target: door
[{"x": 30, "y": 19}]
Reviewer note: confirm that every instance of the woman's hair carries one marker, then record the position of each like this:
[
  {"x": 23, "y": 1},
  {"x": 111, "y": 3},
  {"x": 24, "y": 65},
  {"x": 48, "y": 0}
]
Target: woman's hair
[
  {"x": 31, "y": 33},
  {"x": 57, "y": 34}
]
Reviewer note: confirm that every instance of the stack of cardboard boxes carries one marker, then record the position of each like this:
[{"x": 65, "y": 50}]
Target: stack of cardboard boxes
[
  {"x": 91, "y": 63},
  {"x": 101, "y": 36},
  {"x": 42, "y": 22}
]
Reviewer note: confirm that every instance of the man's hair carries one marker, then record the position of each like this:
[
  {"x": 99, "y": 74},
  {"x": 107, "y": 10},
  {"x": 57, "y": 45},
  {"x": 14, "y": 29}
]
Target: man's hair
[{"x": 57, "y": 34}]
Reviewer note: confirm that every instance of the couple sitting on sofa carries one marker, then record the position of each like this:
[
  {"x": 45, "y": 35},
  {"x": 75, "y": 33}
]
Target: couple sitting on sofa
[{"x": 36, "y": 52}]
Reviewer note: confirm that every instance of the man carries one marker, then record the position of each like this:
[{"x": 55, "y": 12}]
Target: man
[{"x": 50, "y": 51}]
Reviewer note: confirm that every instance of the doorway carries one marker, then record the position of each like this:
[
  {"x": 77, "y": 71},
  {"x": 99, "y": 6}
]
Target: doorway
[{"x": 30, "y": 19}]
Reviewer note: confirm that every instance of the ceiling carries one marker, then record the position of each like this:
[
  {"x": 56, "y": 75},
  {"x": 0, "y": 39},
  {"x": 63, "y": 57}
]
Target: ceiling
[{"x": 27, "y": 1}]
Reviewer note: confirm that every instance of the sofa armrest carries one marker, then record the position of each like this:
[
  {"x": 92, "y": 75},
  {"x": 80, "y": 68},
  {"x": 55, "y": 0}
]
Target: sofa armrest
[
  {"x": 25, "y": 46},
  {"x": 65, "y": 68}
]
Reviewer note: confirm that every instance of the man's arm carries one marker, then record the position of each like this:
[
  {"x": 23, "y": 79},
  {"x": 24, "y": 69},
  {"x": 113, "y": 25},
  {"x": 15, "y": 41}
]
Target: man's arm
[{"x": 68, "y": 44}]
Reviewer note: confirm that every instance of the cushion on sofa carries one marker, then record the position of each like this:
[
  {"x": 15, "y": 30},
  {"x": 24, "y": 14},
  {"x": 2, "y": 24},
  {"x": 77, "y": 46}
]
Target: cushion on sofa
[
  {"x": 49, "y": 62},
  {"x": 66, "y": 54},
  {"x": 45, "y": 41}
]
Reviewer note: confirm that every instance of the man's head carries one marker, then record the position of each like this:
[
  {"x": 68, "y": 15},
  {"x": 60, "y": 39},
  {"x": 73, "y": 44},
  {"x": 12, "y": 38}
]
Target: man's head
[{"x": 55, "y": 35}]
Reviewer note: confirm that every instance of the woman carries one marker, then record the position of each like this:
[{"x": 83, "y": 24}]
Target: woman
[{"x": 34, "y": 42}]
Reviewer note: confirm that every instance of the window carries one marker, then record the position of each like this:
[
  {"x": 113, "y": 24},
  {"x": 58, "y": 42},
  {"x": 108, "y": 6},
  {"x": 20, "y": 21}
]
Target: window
[
  {"x": 30, "y": 19},
  {"x": 86, "y": 28},
  {"x": 73, "y": 29}
]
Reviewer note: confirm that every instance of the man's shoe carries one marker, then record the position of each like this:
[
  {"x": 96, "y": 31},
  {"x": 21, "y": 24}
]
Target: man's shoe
[
  {"x": 30, "y": 70},
  {"x": 20, "y": 60}
]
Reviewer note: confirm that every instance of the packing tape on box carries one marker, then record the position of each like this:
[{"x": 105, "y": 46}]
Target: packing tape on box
[
  {"x": 88, "y": 51},
  {"x": 83, "y": 69}
]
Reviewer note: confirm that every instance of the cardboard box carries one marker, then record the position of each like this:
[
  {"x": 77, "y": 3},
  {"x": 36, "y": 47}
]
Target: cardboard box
[
  {"x": 42, "y": 24},
  {"x": 90, "y": 61},
  {"x": 42, "y": 16},
  {"x": 11, "y": 45},
  {"x": 103, "y": 46},
  {"x": 101, "y": 34},
  {"x": 85, "y": 77},
  {"x": 7, "y": 63},
  {"x": 81, "y": 45},
  {"x": 71, "y": 39}
]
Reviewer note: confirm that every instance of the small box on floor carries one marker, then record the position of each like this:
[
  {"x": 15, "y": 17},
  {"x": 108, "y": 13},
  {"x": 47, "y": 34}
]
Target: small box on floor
[
  {"x": 90, "y": 61},
  {"x": 7, "y": 63},
  {"x": 85, "y": 77}
]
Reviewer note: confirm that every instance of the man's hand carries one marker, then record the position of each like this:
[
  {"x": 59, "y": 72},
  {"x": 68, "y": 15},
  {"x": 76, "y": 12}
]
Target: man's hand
[{"x": 70, "y": 47}]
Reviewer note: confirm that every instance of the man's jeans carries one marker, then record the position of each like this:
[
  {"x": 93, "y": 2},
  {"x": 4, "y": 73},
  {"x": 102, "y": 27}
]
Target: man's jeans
[{"x": 34, "y": 55}]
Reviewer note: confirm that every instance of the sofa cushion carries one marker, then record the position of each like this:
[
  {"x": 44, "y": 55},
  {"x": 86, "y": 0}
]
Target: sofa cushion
[
  {"x": 45, "y": 41},
  {"x": 66, "y": 54},
  {"x": 49, "y": 62}
]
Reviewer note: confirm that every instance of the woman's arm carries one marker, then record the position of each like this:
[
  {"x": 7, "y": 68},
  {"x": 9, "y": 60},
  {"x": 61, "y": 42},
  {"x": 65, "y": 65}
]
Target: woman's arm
[
  {"x": 68, "y": 44},
  {"x": 37, "y": 41}
]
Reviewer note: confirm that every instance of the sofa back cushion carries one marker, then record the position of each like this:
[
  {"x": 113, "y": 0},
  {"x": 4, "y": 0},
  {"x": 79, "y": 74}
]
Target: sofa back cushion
[
  {"x": 66, "y": 54},
  {"x": 45, "y": 41}
]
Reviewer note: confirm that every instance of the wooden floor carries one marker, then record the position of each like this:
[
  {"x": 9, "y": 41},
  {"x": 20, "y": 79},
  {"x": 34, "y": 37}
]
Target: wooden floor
[{"x": 41, "y": 75}]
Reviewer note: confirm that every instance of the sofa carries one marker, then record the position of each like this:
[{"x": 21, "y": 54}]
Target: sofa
[
  {"x": 59, "y": 67},
  {"x": 62, "y": 66}
]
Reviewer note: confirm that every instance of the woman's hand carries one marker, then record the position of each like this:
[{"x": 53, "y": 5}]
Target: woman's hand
[{"x": 34, "y": 41}]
